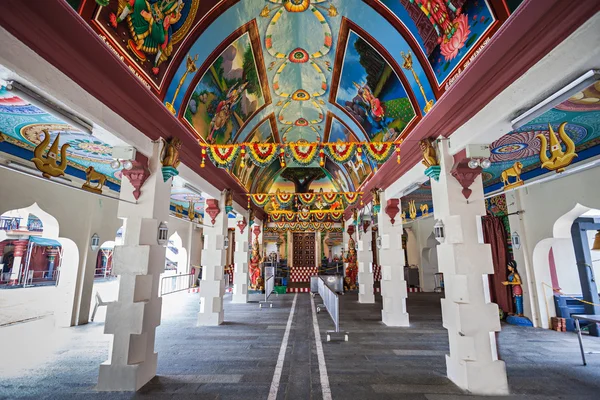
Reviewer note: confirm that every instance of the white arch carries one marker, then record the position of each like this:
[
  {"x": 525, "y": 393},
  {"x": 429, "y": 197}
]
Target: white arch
[
  {"x": 182, "y": 256},
  {"x": 65, "y": 311},
  {"x": 562, "y": 245},
  {"x": 429, "y": 264}
]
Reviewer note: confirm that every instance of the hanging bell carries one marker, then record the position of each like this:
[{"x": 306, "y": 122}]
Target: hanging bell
[{"x": 596, "y": 245}]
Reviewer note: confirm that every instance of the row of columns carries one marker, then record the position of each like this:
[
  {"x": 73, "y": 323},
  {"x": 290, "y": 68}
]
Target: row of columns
[
  {"x": 139, "y": 261},
  {"x": 468, "y": 315}
]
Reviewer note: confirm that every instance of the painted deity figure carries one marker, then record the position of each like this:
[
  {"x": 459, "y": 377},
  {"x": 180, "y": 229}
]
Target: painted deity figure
[
  {"x": 514, "y": 280},
  {"x": 352, "y": 268},
  {"x": 150, "y": 27},
  {"x": 254, "y": 270},
  {"x": 374, "y": 110},
  {"x": 224, "y": 109}
]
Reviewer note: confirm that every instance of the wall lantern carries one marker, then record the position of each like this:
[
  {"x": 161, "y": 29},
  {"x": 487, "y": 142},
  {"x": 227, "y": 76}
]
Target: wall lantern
[
  {"x": 95, "y": 242},
  {"x": 163, "y": 234},
  {"x": 378, "y": 242},
  {"x": 439, "y": 232},
  {"x": 596, "y": 245},
  {"x": 226, "y": 243},
  {"x": 516, "y": 240}
]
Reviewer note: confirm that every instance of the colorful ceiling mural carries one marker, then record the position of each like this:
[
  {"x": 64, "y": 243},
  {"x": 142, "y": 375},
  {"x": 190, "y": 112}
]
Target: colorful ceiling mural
[
  {"x": 581, "y": 118},
  {"x": 22, "y": 127},
  {"x": 184, "y": 202},
  {"x": 222, "y": 67},
  {"x": 419, "y": 200}
]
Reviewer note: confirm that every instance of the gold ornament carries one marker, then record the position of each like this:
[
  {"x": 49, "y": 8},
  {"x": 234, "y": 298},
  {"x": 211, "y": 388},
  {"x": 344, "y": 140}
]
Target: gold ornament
[
  {"x": 92, "y": 175},
  {"x": 559, "y": 159},
  {"x": 424, "y": 210},
  {"x": 48, "y": 165},
  {"x": 514, "y": 171},
  {"x": 412, "y": 209},
  {"x": 170, "y": 153},
  {"x": 429, "y": 153}
]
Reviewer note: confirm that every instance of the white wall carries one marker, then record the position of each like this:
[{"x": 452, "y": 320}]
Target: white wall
[
  {"x": 79, "y": 215},
  {"x": 544, "y": 204},
  {"x": 418, "y": 234}
]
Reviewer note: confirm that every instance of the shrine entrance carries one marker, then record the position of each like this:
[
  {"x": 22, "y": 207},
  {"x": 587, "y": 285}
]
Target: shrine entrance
[{"x": 303, "y": 261}]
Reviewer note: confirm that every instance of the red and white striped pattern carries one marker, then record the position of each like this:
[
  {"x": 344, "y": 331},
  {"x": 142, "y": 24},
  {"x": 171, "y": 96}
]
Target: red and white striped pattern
[
  {"x": 298, "y": 290},
  {"x": 302, "y": 274},
  {"x": 194, "y": 290},
  {"x": 376, "y": 273}
]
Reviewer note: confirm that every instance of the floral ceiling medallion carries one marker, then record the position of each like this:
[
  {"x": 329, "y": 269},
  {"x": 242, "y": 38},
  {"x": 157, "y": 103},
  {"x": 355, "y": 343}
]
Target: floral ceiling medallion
[
  {"x": 296, "y": 5},
  {"x": 300, "y": 95},
  {"x": 298, "y": 56},
  {"x": 301, "y": 122}
]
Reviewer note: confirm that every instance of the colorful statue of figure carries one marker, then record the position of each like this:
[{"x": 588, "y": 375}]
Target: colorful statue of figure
[
  {"x": 514, "y": 279},
  {"x": 352, "y": 268},
  {"x": 255, "y": 271},
  {"x": 149, "y": 26}
]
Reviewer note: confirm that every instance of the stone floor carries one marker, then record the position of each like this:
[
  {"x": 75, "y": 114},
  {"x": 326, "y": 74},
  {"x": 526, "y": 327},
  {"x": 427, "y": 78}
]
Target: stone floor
[{"x": 237, "y": 360}]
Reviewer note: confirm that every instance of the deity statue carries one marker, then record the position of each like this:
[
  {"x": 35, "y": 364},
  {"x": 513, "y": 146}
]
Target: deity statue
[
  {"x": 514, "y": 280},
  {"x": 150, "y": 27},
  {"x": 255, "y": 270},
  {"x": 352, "y": 268}
]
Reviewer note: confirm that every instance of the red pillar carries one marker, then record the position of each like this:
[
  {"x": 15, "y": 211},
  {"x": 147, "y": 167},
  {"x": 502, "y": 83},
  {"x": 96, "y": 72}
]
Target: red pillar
[{"x": 18, "y": 252}]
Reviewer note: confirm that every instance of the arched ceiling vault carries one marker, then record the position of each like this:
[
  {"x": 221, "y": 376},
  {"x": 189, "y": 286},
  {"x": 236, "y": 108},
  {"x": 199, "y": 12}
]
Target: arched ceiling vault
[{"x": 289, "y": 70}]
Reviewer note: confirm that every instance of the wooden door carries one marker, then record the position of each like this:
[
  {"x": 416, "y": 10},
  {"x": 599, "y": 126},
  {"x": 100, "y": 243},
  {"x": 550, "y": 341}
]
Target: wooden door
[{"x": 304, "y": 250}]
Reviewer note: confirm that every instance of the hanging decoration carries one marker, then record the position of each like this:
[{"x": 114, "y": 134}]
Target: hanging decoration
[
  {"x": 351, "y": 197},
  {"x": 222, "y": 155},
  {"x": 283, "y": 198},
  {"x": 260, "y": 199},
  {"x": 303, "y": 152},
  {"x": 320, "y": 216},
  {"x": 306, "y": 216},
  {"x": 262, "y": 154},
  {"x": 341, "y": 152},
  {"x": 329, "y": 197},
  {"x": 307, "y": 198},
  {"x": 379, "y": 152},
  {"x": 303, "y": 226}
]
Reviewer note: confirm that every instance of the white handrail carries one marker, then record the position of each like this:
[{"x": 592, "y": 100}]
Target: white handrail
[
  {"x": 269, "y": 289},
  {"x": 331, "y": 301}
]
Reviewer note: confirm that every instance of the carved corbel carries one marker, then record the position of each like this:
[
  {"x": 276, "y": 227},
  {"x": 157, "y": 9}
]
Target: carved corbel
[
  {"x": 212, "y": 209},
  {"x": 138, "y": 174},
  {"x": 391, "y": 209}
]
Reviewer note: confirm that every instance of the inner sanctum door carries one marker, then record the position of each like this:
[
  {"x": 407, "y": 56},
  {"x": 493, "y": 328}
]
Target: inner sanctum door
[{"x": 304, "y": 250}]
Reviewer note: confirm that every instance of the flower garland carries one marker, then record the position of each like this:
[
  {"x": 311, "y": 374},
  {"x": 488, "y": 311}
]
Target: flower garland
[
  {"x": 379, "y": 152},
  {"x": 307, "y": 198},
  {"x": 320, "y": 216},
  {"x": 262, "y": 154},
  {"x": 303, "y": 152},
  {"x": 306, "y": 216},
  {"x": 284, "y": 198},
  {"x": 222, "y": 155},
  {"x": 260, "y": 199},
  {"x": 329, "y": 197},
  {"x": 350, "y": 197},
  {"x": 340, "y": 152},
  {"x": 303, "y": 226}
]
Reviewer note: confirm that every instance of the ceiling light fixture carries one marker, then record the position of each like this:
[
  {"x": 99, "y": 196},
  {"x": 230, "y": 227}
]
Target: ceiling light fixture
[
  {"x": 192, "y": 189},
  {"x": 49, "y": 106},
  {"x": 550, "y": 102}
]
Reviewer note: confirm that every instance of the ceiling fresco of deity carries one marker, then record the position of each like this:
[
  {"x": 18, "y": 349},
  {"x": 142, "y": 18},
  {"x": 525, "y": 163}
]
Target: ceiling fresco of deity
[
  {"x": 22, "y": 127},
  {"x": 316, "y": 70}
]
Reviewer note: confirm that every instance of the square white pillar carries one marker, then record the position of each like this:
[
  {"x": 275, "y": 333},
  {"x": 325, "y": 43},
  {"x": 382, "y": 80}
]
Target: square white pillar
[
  {"x": 365, "y": 267},
  {"x": 240, "y": 259},
  {"x": 391, "y": 258},
  {"x": 133, "y": 318},
  {"x": 467, "y": 313},
  {"x": 214, "y": 254}
]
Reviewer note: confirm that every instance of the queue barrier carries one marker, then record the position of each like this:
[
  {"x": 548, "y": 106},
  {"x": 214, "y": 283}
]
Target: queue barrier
[
  {"x": 269, "y": 286},
  {"x": 331, "y": 302}
]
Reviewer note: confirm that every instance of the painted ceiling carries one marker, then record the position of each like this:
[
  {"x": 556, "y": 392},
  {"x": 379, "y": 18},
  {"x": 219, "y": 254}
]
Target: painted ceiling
[
  {"x": 581, "y": 113},
  {"x": 297, "y": 70},
  {"x": 184, "y": 202},
  {"x": 22, "y": 127}
]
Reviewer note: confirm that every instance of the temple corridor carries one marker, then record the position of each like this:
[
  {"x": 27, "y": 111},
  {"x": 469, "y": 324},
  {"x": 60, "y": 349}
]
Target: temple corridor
[{"x": 238, "y": 360}]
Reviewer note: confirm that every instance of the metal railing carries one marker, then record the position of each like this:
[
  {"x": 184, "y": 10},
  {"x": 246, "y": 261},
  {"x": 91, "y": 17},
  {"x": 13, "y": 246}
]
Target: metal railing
[
  {"x": 269, "y": 286},
  {"x": 175, "y": 283},
  {"x": 331, "y": 301}
]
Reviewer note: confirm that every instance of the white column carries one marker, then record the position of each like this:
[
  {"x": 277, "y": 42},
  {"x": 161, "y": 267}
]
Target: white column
[
  {"x": 391, "y": 258},
  {"x": 318, "y": 249},
  {"x": 212, "y": 285},
  {"x": 241, "y": 258},
  {"x": 345, "y": 244},
  {"x": 290, "y": 252},
  {"x": 365, "y": 267},
  {"x": 465, "y": 261},
  {"x": 133, "y": 318}
]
